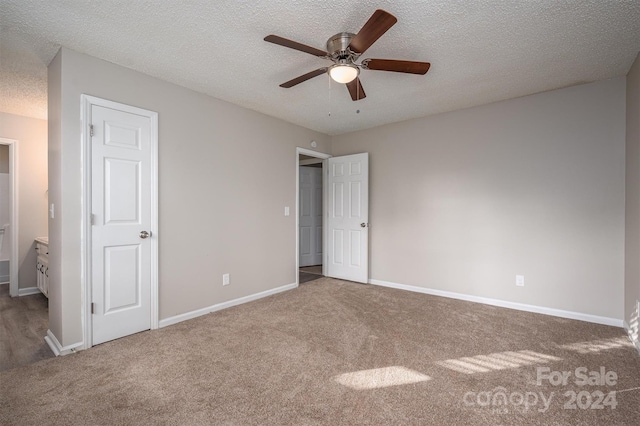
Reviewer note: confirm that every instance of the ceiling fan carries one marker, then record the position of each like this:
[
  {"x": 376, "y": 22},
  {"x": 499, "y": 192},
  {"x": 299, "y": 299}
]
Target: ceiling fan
[{"x": 344, "y": 49}]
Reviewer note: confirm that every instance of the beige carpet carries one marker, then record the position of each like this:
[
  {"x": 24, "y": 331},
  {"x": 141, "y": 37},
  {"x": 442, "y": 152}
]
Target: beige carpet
[{"x": 337, "y": 353}]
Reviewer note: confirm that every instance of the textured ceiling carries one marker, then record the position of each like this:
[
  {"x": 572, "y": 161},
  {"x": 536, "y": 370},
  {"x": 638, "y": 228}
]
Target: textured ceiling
[{"x": 480, "y": 51}]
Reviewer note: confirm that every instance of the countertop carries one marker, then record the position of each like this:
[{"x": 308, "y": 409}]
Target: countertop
[{"x": 43, "y": 240}]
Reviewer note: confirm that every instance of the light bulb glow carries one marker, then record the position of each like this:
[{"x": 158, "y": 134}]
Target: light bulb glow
[{"x": 344, "y": 73}]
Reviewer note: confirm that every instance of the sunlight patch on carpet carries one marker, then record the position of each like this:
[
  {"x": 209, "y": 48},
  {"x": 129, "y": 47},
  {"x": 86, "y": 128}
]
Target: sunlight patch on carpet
[
  {"x": 380, "y": 378},
  {"x": 598, "y": 345},
  {"x": 496, "y": 361}
]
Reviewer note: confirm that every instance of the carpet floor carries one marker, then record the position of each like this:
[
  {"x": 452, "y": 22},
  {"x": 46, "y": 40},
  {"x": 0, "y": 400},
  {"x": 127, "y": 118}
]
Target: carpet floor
[{"x": 339, "y": 353}]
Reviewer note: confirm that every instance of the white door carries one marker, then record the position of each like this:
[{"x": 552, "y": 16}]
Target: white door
[
  {"x": 348, "y": 218},
  {"x": 310, "y": 216},
  {"x": 121, "y": 206}
]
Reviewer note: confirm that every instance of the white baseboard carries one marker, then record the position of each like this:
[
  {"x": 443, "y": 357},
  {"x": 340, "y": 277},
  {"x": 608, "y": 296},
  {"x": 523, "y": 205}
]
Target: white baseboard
[
  {"x": 57, "y": 348},
  {"x": 213, "y": 308},
  {"x": 635, "y": 341},
  {"x": 28, "y": 291},
  {"x": 505, "y": 304}
]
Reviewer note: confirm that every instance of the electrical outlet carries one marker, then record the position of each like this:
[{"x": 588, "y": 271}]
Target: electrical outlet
[
  {"x": 520, "y": 280},
  {"x": 225, "y": 279}
]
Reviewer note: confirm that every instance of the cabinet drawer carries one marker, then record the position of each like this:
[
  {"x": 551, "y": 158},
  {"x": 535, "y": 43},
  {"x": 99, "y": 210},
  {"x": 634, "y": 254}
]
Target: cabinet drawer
[{"x": 43, "y": 250}]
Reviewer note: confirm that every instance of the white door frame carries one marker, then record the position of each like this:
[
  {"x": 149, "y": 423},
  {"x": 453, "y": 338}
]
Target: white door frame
[
  {"x": 323, "y": 157},
  {"x": 87, "y": 102},
  {"x": 14, "y": 287}
]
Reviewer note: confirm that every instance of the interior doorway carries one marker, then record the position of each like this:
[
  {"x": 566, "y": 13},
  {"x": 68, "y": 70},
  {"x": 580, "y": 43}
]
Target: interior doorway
[
  {"x": 310, "y": 231},
  {"x": 310, "y": 214},
  {"x": 9, "y": 214}
]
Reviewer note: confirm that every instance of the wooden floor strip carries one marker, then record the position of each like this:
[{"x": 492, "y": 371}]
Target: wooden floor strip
[{"x": 23, "y": 324}]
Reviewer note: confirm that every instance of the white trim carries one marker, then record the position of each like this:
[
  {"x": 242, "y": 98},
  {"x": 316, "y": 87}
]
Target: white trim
[
  {"x": 28, "y": 291},
  {"x": 224, "y": 305},
  {"x": 14, "y": 285},
  {"x": 323, "y": 157},
  {"x": 87, "y": 102},
  {"x": 635, "y": 342},
  {"x": 57, "y": 348},
  {"x": 504, "y": 304},
  {"x": 311, "y": 153}
]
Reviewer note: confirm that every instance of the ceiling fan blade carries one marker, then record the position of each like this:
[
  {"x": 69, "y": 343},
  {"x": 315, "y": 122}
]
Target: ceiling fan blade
[
  {"x": 295, "y": 45},
  {"x": 377, "y": 25},
  {"x": 355, "y": 89},
  {"x": 410, "y": 67},
  {"x": 304, "y": 77}
]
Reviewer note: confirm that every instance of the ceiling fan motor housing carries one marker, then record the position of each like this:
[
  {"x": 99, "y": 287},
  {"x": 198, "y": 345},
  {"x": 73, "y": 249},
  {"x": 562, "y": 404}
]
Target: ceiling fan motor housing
[{"x": 337, "y": 46}]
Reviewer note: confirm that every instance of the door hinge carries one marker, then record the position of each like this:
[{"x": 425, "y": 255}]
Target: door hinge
[
  {"x": 91, "y": 130},
  {"x": 93, "y": 219},
  {"x": 92, "y": 306}
]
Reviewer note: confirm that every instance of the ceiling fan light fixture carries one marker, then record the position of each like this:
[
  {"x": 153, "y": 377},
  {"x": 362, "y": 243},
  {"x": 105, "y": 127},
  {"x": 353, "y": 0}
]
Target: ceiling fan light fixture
[{"x": 344, "y": 73}]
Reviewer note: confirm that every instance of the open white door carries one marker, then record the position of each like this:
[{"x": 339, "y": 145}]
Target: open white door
[
  {"x": 348, "y": 218},
  {"x": 122, "y": 221}
]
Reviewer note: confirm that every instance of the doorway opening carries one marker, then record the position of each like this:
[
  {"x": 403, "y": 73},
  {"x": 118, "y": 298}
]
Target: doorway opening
[
  {"x": 310, "y": 200},
  {"x": 9, "y": 215}
]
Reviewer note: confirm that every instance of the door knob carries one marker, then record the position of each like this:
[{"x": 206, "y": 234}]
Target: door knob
[
  {"x": 364, "y": 225},
  {"x": 144, "y": 234}
]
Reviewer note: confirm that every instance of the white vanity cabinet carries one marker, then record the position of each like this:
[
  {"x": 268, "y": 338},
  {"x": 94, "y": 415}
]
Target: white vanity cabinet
[{"x": 42, "y": 265}]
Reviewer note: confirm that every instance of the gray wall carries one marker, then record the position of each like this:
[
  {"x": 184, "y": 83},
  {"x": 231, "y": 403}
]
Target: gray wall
[
  {"x": 225, "y": 175},
  {"x": 464, "y": 201},
  {"x": 632, "y": 229},
  {"x": 54, "y": 111},
  {"x": 460, "y": 202},
  {"x": 31, "y": 134}
]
